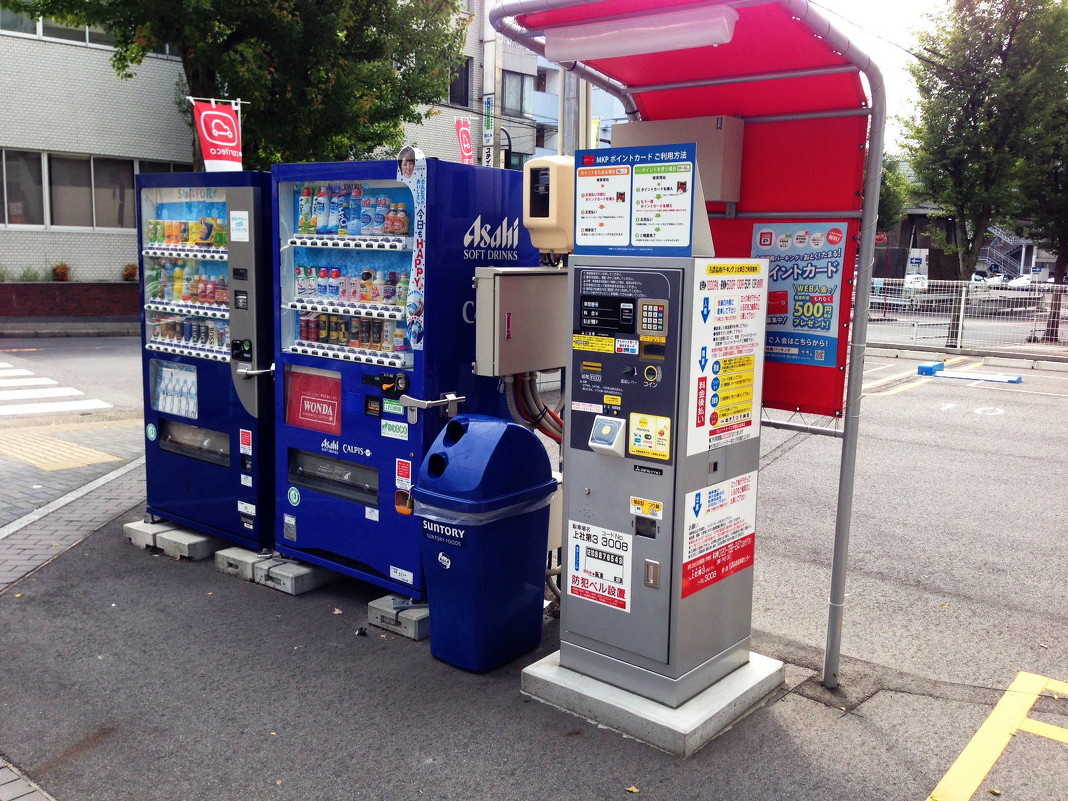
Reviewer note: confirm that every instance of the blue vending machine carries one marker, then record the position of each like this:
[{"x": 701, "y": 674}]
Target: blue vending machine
[
  {"x": 375, "y": 345},
  {"x": 207, "y": 315}
]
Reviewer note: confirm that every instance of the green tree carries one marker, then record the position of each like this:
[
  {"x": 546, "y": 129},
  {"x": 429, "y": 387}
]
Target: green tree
[
  {"x": 893, "y": 194},
  {"x": 324, "y": 79},
  {"x": 1044, "y": 201},
  {"x": 981, "y": 91}
]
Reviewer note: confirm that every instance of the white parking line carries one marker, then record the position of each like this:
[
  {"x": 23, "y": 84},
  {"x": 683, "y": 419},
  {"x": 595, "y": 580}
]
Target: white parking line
[
  {"x": 58, "y": 406},
  {"x": 30, "y": 394},
  {"x": 27, "y": 382}
]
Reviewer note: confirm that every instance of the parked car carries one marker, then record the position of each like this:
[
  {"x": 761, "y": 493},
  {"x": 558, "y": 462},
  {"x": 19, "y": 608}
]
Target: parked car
[
  {"x": 980, "y": 277},
  {"x": 1020, "y": 281},
  {"x": 916, "y": 281}
]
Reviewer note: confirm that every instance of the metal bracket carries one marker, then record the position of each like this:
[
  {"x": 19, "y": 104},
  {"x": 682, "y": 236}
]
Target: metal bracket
[
  {"x": 247, "y": 372},
  {"x": 450, "y": 400}
]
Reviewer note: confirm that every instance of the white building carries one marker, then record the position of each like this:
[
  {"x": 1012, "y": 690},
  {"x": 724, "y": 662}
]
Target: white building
[{"x": 73, "y": 135}]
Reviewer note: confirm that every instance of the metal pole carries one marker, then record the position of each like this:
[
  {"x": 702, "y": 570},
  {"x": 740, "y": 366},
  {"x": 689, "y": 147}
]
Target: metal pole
[{"x": 854, "y": 389}]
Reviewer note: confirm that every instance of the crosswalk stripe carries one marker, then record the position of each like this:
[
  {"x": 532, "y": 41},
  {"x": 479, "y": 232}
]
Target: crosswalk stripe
[
  {"x": 4, "y": 365},
  {"x": 27, "y": 382},
  {"x": 14, "y": 372},
  {"x": 31, "y": 394},
  {"x": 56, "y": 406}
]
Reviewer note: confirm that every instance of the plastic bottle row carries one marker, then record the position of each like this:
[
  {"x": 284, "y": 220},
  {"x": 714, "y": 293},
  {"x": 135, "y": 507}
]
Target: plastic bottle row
[
  {"x": 351, "y": 211},
  {"x": 332, "y": 285},
  {"x": 353, "y": 332},
  {"x": 175, "y": 395},
  {"x": 186, "y": 281},
  {"x": 206, "y": 232},
  {"x": 192, "y": 332}
]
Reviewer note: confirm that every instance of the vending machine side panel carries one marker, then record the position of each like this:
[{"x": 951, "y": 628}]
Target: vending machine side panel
[{"x": 208, "y": 450}]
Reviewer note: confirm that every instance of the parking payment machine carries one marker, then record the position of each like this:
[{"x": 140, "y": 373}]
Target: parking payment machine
[{"x": 662, "y": 443}]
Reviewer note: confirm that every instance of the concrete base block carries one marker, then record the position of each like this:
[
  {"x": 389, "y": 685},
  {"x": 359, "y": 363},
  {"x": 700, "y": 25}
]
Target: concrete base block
[
  {"x": 1060, "y": 367},
  {"x": 239, "y": 562},
  {"x": 184, "y": 544},
  {"x": 407, "y": 622},
  {"x": 679, "y": 731},
  {"x": 293, "y": 578},
  {"x": 143, "y": 534}
]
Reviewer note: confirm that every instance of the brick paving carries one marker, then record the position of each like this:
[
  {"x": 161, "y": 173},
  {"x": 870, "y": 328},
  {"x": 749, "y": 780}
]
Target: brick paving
[{"x": 16, "y": 787}]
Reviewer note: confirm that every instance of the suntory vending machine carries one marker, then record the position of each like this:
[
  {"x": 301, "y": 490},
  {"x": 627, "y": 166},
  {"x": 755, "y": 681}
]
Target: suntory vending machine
[
  {"x": 375, "y": 301},
  {"x": 206, "y": 337}
]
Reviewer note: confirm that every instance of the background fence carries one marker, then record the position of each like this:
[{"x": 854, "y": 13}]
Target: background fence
[{"x": 992, "y": 318}]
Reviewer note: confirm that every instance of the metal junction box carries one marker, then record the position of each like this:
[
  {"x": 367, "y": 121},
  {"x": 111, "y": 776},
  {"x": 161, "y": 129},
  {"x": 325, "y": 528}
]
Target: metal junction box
[{"x": 521, "y": 320}]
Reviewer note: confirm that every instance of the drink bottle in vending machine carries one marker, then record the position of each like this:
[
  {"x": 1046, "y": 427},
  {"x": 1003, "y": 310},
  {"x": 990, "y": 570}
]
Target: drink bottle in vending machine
[
  {"x": 392, "y": 328},
  {"x": 206, "y": 352}
]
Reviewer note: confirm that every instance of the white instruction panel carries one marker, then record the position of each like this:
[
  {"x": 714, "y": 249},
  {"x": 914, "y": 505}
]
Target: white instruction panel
[{"x": 600, "y": 565}]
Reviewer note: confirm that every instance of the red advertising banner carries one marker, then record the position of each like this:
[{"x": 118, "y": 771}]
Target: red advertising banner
[
  {"x": 219, "y": 133},
  {"x": 463, "y": 138},
  {"x": 313, "y": 401}
]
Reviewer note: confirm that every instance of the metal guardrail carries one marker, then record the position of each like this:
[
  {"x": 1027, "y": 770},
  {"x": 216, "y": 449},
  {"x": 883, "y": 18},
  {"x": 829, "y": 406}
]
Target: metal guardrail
[{"x": 991, "y": 318}]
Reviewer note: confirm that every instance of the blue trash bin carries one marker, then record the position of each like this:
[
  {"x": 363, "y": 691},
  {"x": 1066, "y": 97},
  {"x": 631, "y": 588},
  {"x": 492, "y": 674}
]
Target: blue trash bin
[{"x": 483, "y": 494}]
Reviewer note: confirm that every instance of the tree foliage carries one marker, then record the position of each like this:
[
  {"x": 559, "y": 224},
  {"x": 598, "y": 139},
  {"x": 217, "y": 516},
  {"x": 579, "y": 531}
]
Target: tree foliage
[
  {"x": 324, "y": 79},
  {"x": 894, "y": 193},
  {"x": 990, "y": 70}
]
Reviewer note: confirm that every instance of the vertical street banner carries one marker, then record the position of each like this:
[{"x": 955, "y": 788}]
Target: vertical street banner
[
  {"x": 463, "y": 140},
  {"x": 219, "y": 133}
]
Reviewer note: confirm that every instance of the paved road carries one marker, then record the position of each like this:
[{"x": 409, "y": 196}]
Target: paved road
[{"x": 127, "y": 675}]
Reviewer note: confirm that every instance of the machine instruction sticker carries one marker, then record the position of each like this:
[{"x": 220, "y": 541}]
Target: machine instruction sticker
[
  {"x": 600, "y": 565},
  {"x": 650, "y": 436},
  {"x": 720, "y": 532},
  {"x": 635, "y": 200},
  {"x": 245, "y": 439},
  {"x": 725, "y": 356},
  {"x": 647, "y": 508},
  {"x": 404, "y": 474}
]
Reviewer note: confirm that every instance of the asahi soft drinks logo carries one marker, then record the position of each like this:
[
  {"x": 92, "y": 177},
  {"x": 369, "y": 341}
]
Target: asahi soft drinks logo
[
  {"x": 483, "y": 241},
  {"x": 330, "y": 446}
]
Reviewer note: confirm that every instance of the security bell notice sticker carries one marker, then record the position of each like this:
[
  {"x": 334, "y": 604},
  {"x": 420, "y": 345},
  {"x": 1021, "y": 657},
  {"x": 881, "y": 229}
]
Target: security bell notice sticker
[{"x": 600, "y": 564}]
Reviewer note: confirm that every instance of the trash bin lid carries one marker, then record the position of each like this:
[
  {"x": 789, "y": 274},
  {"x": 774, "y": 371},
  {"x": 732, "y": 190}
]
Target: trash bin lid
[{"x": 480, "y": 463}]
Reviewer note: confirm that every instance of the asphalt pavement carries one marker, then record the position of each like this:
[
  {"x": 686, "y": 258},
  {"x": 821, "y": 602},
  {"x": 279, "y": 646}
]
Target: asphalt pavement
[{"x": 125, "y": 674}]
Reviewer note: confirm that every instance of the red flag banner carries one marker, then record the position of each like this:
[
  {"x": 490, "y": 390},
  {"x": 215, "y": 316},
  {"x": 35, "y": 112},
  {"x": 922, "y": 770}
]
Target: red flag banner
[
  {"x": 463, "y": 137},
  {"x": 219, "y": 132}
]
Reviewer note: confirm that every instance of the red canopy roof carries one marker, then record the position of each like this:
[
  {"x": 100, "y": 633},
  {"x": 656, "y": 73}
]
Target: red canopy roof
[{"x": 745, "y": 77}]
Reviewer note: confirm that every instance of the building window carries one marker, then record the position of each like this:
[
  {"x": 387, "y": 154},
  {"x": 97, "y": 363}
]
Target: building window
[
  {"x": 517, "y": 93},
  {"x": 17, "y": 23},
  {"x": 162, "y": 166},
  {"x": 70, "y": 184},
  {"x": 51, "y": 29},
  {"x": 460, "y": 88},
  {"x": 82, "y": 191},
  {"x": 113, "y": 193},
  {"x": 23, "y": 188}
]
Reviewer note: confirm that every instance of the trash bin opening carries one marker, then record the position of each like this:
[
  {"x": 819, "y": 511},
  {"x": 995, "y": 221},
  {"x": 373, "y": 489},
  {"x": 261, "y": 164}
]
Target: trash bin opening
[
  {"x": 436, "y": 465},
  {"x": 453, "y": 432}
]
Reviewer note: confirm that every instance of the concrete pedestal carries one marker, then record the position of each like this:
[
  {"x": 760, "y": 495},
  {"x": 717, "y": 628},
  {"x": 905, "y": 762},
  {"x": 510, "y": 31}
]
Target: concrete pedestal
[{"x": 679, "y": 731}]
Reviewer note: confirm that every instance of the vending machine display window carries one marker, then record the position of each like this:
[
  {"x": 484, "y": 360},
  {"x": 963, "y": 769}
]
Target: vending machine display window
[
  {"x": 313, "y": 398},
  {"x": 174, "y": 388},
  {"x": 195, "y": 442},
  {"x": 335, "y": 477}
]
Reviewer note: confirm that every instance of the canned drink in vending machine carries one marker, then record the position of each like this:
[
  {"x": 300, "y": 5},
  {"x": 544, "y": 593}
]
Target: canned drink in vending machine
[
  {"x": 187, "y": 330},
  {"x": 365, "y": 333},
  {"x": 376, "y": 335},
  {"x": 304, "y": 328},
  {"x": 213, "y": 334},
  {"x": 332, "y": 335},
  {"x": 182, "y": 235},
  {"x": 324, "y": 327},
  {"x": 195, "y": 229},
  {"x": 343, "y": 332},
  {"x": 388, "y": 327},
  {"x": 354, "y": 332}
]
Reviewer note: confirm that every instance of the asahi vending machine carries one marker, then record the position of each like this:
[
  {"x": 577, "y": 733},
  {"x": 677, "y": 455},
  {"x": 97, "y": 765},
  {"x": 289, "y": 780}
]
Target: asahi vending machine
[
  {"x": 375, "y": 300},
  {"x": 206, "y": 336}
]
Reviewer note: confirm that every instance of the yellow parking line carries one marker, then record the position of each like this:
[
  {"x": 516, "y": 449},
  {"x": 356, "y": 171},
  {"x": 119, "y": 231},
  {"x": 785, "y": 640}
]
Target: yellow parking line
[{"x": 1009, "y": 716}]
